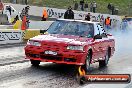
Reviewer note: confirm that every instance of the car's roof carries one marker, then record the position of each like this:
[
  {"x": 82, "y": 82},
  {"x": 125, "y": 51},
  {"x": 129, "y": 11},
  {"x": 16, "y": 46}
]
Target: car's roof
[{"x": 78, "y": 20}]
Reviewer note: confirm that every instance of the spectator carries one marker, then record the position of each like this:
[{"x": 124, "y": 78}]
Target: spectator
[
  {"x": 45, "y": 15},
  {"x": 87, "y": 17},
  {"x": 24, "y": 25},
  {"x": 91, "y": 7},
  {"x": 124, "y": 24},
  {"x": 9, "y": 9},
  {"x": 22, "y": 13},
  {"x": 75, "y": 5},
  {"x": 26, "y": 2},
  {"x": 25, "y": 18},
  {"x": 16, "y": 23},
  {"x": 82, "y": 5},
  {"x": 86, "y": 6},
  {"x": 69, "y": 14},
  {"x": 107, "y": 23},
  {"x": 94, "y": 6},
  {"x": 27, "y": 9},
  {"x": 15, "y": 19},
  {"x": 109, "y": 7},
  {"x": 112, "y": 9}
]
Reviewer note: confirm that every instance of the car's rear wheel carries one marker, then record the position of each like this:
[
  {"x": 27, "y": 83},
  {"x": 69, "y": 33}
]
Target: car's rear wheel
[
  {"x": 35, "y": 62},
  {"x": 87, "y": 62},
  {"x": 103, "y": 63}
]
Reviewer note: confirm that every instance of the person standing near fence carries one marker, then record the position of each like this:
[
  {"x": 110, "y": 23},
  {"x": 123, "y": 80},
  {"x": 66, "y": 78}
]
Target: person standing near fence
[
  {"x": 75, "y": 5},
  {"x": 26, "y": 2},
  {"x": 82, "y": 5},
  {"x": 109, "y": 8},
  {"x": 124, "y": 24},
  {"x": 69, "y": 14},
  {"x": 9, "y": 9},
  {"x": 86, "y": 6},
  {"x": 25, "y": 18},
  {"x": 107, "y": 23},
  {"x": 87, "y": 18},
  {"x": 91, "y": 7},
  {"x": 45, "y": 15},
  {"x": 94, "y": 6}
]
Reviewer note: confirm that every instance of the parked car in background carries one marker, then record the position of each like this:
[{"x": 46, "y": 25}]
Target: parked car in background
[{"x": 74, "y": 42}]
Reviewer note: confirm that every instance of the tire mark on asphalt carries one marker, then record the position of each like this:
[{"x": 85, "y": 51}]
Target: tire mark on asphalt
[{"x": 52, "y": 76}]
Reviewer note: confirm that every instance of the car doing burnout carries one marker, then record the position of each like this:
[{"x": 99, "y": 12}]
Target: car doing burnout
[{"x": 74, "y": 42}]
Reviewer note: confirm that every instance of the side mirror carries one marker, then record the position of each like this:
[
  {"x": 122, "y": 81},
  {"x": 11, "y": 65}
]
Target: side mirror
[
  {"x": 98, "y": 36},
  {"x": 42, "y": 31}
]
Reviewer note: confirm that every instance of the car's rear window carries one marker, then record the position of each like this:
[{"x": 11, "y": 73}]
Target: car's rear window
[{"x": 72, "y": 28}]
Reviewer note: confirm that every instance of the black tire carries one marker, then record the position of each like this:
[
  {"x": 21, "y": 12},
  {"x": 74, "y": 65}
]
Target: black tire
[
  {"x": 87, "y": 62},
  {"x": 103, "y": 63},
  {"x": 35, "y": 62}
]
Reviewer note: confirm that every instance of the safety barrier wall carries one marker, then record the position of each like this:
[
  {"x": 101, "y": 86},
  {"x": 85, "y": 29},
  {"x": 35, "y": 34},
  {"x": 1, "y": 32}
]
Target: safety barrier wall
[
  {"x": 6, "y": 26},
  {"x": 59, "y": 13},
  {"x": 10, "y": 36},
  {"x": 17, "y": 36}
]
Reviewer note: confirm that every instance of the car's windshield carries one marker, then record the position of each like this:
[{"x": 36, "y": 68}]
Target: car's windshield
[{"x": 72, "y": 28}]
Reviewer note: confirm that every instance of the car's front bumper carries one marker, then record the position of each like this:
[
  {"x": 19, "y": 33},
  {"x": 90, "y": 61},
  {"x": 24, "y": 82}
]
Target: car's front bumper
[{"x": 75, "y": 58}]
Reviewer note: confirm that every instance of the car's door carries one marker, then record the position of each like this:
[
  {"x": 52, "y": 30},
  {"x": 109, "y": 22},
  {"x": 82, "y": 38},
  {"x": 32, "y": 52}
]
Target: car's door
[
  {"x": 97, "y": 44},
  {"x": 104, "y": 41}
]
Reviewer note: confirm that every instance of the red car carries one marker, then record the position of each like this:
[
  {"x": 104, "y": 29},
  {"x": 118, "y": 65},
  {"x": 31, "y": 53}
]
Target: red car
[{"x": 74, "y": 42}]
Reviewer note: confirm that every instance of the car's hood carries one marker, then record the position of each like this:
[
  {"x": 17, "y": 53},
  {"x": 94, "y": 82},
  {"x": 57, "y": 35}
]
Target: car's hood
[{"x": 70, "y": 39}]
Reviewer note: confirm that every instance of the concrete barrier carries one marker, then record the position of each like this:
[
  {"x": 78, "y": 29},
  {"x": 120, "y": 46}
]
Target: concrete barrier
[
  {"x": 10, "y": 36},
  {"x": 17, "y": 35},
  {"x": 6, "y": 26}
]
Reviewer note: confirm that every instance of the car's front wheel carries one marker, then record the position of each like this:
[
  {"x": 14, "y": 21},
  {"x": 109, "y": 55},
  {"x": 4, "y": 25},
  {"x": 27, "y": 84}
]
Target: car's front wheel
[
  {"x": 35, "y": 62},
  {"x": 103, "y": 63},
  {"x": 87, "y": 62}
]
